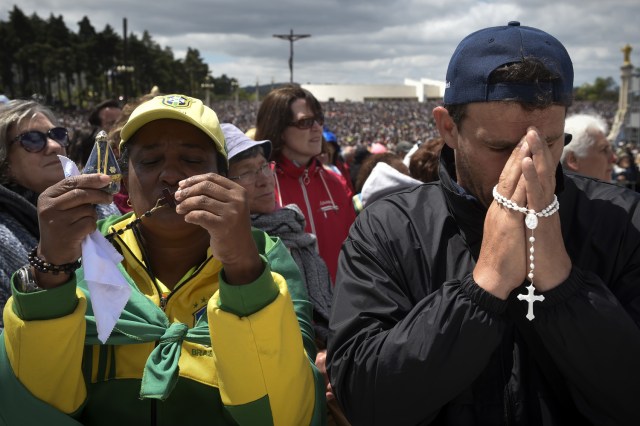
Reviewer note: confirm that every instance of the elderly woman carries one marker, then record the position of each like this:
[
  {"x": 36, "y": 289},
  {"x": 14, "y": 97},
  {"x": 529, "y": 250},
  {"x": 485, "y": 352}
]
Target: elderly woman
[
  {"x": 291, "y": 118},
  {"x": 249, "y": 167},
  {"x": 217, "y": 327},
  {"x": 30, "y": 142}
]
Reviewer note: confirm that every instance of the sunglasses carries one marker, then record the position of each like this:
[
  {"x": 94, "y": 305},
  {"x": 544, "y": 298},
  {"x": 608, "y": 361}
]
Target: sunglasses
[
  {"x": 307, "y": 123},
  {"x": 35, "y": 141}
]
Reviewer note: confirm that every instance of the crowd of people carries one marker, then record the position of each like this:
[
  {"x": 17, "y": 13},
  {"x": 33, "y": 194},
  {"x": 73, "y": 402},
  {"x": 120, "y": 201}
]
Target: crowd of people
[
  {"x": 298, "y": 262},
  {"x": 354, "y": 123}
]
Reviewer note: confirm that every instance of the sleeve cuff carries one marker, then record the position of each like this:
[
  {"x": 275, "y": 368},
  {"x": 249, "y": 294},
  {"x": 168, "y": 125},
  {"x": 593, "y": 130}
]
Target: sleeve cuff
[
  {"x": 481, "y": 297},
  {"x": 553, "y": 297},
  {"x": 47, "y": 304},
  {"x": 567, "y": 289},
  {"x": 247, "y": 299}
]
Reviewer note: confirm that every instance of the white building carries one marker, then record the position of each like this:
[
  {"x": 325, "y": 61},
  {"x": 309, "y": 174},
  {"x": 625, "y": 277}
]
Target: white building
[{"x": 412, "y": 90}]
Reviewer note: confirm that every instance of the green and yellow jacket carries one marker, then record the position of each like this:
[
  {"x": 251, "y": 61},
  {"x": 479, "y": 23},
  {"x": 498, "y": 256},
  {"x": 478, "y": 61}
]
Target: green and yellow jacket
[{"x": 213, "y": 354}]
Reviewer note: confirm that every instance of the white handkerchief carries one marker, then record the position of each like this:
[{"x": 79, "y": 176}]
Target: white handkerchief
[
  {"x": 109, "y": 290},
  {"x": 69, "y": 167}
]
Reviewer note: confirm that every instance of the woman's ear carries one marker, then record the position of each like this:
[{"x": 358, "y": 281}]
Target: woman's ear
[{"x": 446, "y": 126}]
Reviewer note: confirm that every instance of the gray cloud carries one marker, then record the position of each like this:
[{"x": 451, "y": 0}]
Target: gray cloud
[{"x": 355, "y": 41}]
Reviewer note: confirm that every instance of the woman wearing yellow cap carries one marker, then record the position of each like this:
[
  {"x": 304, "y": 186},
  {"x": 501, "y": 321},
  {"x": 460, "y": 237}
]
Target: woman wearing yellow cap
[{"x": 217, "y": 327}]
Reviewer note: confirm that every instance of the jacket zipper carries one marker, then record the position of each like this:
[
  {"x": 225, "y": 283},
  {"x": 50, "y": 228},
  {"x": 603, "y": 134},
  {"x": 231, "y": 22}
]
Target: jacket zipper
[
  {"x": 163, "y": 300},
  {"x": 304, "y": 180}
]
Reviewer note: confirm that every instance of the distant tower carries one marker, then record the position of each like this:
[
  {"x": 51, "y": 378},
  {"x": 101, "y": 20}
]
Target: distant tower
[{"x": 623, "y": 98}]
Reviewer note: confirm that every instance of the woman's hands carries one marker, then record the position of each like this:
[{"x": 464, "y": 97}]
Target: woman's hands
[
  {"x": 66, "y": 215},
  {"x": 220, "y": 206}
]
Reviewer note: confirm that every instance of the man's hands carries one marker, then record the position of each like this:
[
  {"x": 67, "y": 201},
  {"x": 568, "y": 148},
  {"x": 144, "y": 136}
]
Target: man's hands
[
  {"x": 66, "y": 215},
  {"x": 221, "y": 207},
  {"x": 528, "y": 179}
]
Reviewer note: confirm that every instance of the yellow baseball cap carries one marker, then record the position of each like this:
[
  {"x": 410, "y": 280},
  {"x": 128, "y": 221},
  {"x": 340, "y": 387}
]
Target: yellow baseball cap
[{"x": 177, "y": 107}]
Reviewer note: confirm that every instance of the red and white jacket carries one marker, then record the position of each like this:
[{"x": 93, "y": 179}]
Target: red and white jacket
[{"x": 324, "y": 200}]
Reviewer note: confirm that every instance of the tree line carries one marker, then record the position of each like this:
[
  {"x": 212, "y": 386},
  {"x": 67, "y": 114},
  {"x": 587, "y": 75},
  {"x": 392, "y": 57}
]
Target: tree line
[{"x": 44, "y": 60}]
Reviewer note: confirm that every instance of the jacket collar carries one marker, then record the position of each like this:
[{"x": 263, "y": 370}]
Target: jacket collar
[
  {"x": 289, "y": 168},
  {"x": 467, "y": 211}
]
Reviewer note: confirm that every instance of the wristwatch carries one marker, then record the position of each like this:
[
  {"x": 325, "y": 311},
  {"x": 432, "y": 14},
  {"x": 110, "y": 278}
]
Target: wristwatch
[{"x": 25, "y": 280}]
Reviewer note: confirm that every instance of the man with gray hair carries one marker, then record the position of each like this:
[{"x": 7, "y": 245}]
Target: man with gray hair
[{"x": 589, "y": 153}]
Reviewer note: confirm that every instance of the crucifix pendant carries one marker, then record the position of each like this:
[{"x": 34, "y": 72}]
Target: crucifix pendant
[
  {"x": 531, "y": 222},
  {"x": 531, "y": 298}
]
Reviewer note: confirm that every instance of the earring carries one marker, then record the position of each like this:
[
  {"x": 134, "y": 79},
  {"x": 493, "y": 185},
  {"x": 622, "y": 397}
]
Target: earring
[{"x": 129, "y": 202}]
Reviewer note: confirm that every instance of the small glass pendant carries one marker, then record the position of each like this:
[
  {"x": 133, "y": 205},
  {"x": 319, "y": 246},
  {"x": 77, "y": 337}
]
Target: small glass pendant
[{"x": 103, "y": 160}]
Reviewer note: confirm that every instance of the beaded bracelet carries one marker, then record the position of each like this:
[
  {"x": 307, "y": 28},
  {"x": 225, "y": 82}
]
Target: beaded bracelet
[{"x": 46, "y": 267}]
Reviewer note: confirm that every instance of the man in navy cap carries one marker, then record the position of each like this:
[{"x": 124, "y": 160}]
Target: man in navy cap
[{"x": 476, "y": 300}]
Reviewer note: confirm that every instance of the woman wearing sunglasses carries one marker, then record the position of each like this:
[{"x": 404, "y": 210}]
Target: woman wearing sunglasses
[
  {"x": 291, "y": 118},
  {"x": 30, "y": 143}
]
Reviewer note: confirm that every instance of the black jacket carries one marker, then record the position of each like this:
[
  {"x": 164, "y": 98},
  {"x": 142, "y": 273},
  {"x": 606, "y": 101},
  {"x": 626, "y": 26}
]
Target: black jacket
[{"x": 414, "y": 340}]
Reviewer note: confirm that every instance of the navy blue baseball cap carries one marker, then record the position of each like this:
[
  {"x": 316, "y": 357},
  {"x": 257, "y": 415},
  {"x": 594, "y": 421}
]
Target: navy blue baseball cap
[{"x": 481, "y": 52}]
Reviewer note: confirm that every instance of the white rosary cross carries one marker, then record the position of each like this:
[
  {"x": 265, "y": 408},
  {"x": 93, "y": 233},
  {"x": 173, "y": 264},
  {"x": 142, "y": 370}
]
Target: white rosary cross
[{"x": 530, "y": 297}]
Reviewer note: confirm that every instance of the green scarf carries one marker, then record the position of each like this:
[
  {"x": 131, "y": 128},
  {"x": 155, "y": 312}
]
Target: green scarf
[{"x": 142, "y": 321}]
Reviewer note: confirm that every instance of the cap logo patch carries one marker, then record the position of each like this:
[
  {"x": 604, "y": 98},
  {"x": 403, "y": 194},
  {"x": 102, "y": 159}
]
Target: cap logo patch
[{"x": 176, "y": 101}]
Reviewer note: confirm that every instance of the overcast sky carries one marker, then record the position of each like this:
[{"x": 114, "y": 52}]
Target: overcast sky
[{"x": 354, "y": 41}]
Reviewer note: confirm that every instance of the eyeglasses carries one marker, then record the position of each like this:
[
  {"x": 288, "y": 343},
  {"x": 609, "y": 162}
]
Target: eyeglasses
[
  {"x": 35, "y": 141},
  {"x": 307, "y": 122},
  {"x": 249, "y": 178}
]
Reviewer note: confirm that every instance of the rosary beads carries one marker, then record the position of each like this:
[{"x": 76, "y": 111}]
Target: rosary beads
[
  {"x": 531, "y": 222},
  {"x": 167, "y": 199}
]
